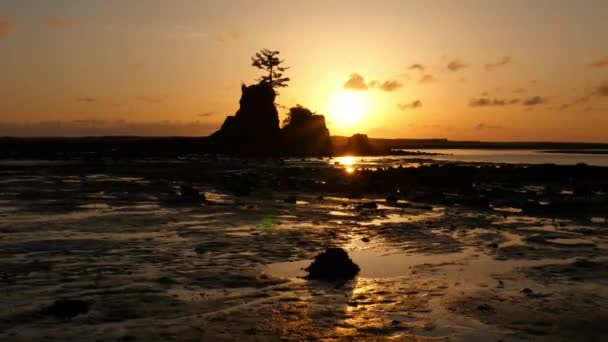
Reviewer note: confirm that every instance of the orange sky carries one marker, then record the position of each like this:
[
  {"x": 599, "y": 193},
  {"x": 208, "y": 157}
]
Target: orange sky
[{"x": 463, "y": 70}]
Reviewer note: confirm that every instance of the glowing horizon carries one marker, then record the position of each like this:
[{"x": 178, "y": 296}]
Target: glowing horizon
[{"x": 469, "y": 70}]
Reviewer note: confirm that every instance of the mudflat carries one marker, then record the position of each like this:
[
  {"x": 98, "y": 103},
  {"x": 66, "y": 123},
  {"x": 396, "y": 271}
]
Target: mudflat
[{"x": 114, "y": 251}]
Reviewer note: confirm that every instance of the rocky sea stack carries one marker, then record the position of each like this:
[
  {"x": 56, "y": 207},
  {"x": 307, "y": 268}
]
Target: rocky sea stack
[{"x": 332, "y": 265}]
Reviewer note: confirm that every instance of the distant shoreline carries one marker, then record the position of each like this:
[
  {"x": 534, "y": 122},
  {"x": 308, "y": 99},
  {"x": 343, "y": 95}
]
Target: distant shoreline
[{"x": 599, "y": 152}]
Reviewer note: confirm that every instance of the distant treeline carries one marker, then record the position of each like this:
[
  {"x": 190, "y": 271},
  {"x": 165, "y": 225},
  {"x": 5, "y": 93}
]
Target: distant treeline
[
  {"x": 170, "y": 147},
  {"x": 445, "y": 144}
]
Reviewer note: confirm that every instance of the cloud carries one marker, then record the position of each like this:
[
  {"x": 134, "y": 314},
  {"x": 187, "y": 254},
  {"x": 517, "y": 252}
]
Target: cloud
[
  {"x": 86, "y": 99},
  {"x": 427, "y": 79},
  {"x": 151, "y": 99},
  {"x": 6, "y": 27},
  {"x": 577, "y": 101},
  {"x": 602, "y": 89},
  {"x": 413, "y": 105},
  {"x": 95, "y": 127},
  {"x": 226, "y": 37},
  {"x": 416, "y": 66},
  {"x": 456, "y": 65},
  {"x": 482, "y": 126},
  {"x": 60, "y": 22},
  {"x": 519, "y": 91},
  {"x": 390, "y": 85},
  {"x": 499, "y": 63},
  {"x": 487, "y": 102},
  {"x": 356, "y": 82},
  {"x": 535, "y": 101},
  {"x": 206, "y": 114},
  {"x": 600, "y": 63}
]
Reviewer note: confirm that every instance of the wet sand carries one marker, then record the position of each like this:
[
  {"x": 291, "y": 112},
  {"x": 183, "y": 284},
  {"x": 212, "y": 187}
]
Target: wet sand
[{"x": 156, "y": 267}]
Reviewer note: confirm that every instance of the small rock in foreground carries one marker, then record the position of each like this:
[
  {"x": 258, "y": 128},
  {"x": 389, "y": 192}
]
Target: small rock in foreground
[
  {"x": 68, "y": 308},
  {"x": 332, "y": 264}
]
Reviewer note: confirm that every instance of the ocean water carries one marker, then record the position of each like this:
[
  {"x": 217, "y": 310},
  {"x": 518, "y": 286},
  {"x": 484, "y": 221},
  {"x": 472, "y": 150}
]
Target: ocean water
[{"x": 474, "y": 156}]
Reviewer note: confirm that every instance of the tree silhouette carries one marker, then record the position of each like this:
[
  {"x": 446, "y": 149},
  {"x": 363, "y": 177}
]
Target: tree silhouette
[
  {"x": 269, "y": 61},
  {"x": 297, "y": 115}
]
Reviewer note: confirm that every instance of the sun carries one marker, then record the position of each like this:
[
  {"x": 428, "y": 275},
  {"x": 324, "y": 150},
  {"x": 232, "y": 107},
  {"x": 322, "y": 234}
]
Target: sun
[{"x": 347, "y": 107}]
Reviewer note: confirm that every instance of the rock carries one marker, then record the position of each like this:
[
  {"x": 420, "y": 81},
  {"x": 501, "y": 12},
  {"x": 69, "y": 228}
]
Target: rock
[
  {"x": 320, "y": 198},
  {"x": 305, "y": 134},
  {"x": 254, "y": 129},
  {"x": 365, "y": 239},
  {"x": 484, "y": 307},
  {"x": 368, "y": 205},
  {"x": 332, "y": 264},
  {"x": 67, "y": 308},
  {"x": 392, "y": 199},
  {"x": 191, "y": 194},
  {"x": 527, "y": 291}
]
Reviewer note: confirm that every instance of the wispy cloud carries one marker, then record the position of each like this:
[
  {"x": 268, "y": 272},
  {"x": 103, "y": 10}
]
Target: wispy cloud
[
  {"x": 60, "y": 22},
  {"x": 600, "y": 63},
  {"x": 487, "y": 102},
  {"x": 456, "y": 65},
  {"x": 227, "y": 37},
  {"x": 412, "y": 105},
  {"x": 151, "y": 99},
  {"x": 96, "y": 127},
  {"x": 356, "y": 82},
  {"x": 416, "y": 66},
  {"x": 499, "y": 63},
  {"x": 426, "y": 79},
  {"x": 535, "y": 101},
  {"x": 6, "y": 27},
  {"x": 602, "y": 88},
  {"x": 390, "y": 85},
  {"x": 482, "y": 126},
  {"x": 519, "y": 90},
  {"x": 86, "y": 99}
]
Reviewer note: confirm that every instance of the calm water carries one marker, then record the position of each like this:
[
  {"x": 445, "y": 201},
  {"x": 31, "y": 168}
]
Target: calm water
[{"x": 474, "y": 156}]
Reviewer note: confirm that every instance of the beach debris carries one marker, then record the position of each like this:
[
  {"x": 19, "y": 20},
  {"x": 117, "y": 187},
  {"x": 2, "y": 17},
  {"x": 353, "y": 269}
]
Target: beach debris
[
  {"x": 332, "y": 264},
  {"x": 67, "y": 308}
]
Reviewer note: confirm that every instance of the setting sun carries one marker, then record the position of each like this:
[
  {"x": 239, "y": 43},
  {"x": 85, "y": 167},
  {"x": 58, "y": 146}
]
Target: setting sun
[{"x": 347, "y": 107}]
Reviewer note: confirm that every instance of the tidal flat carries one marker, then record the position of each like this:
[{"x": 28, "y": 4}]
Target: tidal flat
[{"x": 115, "y": 251}]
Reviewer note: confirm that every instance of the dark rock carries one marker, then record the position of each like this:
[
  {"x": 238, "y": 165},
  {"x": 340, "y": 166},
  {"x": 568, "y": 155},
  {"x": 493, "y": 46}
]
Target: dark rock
[
  {"x": 254, "y": 129},
  {"x": 305, "y": 134},
  {"x": 67, "y": 308},
  {"x": 191, "y": 194},
  {"x": 527, "y": 291},
  {"x": 392, "y": 199},
  {"x": 365, "y": 239},
  {"x": 332, "y": 264},
  {"x": 368, "y": 205},
  {"x": 320, "y": 198},
  {"x": 484, "y": 307}
]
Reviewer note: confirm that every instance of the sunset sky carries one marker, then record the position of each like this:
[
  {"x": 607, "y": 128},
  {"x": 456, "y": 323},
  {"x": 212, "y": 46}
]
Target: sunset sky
[{"x": 464, "y": 70}]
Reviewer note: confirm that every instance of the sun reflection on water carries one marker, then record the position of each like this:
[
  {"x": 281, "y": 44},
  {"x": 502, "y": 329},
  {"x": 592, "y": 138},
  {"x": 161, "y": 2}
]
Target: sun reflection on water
[{"x": 348, "y": 162}]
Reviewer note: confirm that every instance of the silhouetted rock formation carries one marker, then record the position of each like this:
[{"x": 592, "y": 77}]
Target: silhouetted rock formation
[
  {"x": 254, "y": 129},
  {"x": 359, "y": 145},
  {"x": 333, "y": 264},
  {"x": 305, "y": 134}
]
